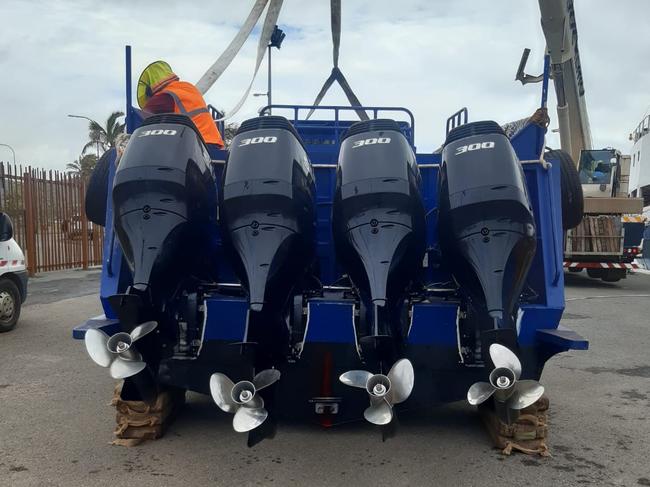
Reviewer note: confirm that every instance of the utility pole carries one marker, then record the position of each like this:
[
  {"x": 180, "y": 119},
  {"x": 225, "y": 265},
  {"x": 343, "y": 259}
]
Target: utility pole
[{"x": 268, "y": 89}]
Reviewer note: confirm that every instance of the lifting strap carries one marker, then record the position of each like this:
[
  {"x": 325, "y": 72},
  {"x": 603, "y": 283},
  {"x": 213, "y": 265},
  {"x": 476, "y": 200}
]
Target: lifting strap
[
  {"x": 337, "y": 74},
  {"x": 274, "y": 6},
  {"x": 220, "y": 65}
]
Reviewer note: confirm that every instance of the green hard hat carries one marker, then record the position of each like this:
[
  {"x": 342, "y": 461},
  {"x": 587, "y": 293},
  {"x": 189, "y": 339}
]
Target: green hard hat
[{"x": 154, "y": 76}]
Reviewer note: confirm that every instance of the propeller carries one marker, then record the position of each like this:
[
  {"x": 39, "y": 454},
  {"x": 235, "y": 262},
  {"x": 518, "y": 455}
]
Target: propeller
[
  {"x": 384, "y": 390},
  {"x": 504, "y": 383},
  {"x": 242, "y": 398},
  {"x": 116, "y": 352}
]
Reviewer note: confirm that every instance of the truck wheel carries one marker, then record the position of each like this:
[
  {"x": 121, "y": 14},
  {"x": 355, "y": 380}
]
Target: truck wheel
[
  {"x": 613, "y": 275},
  {"x": 572, "y": 198},
  {"x": 9, "y": 305},
  {"x": 596, "y": 273}
]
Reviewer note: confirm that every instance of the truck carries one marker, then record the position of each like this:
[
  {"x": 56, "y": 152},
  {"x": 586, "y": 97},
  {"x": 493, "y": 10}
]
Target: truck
[
  {"x": 608, "y": 239},
  {"x": 600, "y": 230},
  {"x": 13, "y": 276}
]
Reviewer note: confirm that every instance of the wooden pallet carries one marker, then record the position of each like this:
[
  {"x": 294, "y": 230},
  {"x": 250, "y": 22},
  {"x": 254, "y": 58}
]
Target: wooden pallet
[
  {"x": 137, "y": 421},
  {"x": 528, "y": 434}
]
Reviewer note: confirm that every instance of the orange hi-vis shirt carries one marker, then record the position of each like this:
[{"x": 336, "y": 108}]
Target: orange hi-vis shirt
[{"x": 188, "y": 101}]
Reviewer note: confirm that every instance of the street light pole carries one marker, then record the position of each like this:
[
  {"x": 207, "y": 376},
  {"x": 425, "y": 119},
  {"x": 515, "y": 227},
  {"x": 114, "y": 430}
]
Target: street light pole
[
  {"x": 90, "y": 120},
  {"x": 276, "y": 41},
  {"x": 268, "y": 91},
  {"x": 12, "y": 151}
]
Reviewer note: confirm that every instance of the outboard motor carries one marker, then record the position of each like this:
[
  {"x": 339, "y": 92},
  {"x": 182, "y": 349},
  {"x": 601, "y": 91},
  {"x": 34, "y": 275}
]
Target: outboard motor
[
  {"x": 267, "y": 213},
  {"x": 164, "y": 216},
  {"x": 165, "y": 205},
  {"x": 486, "y": 224},
  {"x": 378, "y": 225}
]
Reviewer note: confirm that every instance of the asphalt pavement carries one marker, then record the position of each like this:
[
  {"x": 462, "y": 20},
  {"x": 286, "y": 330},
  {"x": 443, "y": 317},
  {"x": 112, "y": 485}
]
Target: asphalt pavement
[
  {"x": 56, "y": 425},
  {"x": 50, "y": 287}
]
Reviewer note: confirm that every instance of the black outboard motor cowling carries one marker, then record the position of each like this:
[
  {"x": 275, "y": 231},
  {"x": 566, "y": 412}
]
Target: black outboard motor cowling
[
  {"x": 378, "y": 222},
  {"x": 268, "y": 214},
  {"x": 165, "y": 205},
  {"x": 487, "y": 228}
]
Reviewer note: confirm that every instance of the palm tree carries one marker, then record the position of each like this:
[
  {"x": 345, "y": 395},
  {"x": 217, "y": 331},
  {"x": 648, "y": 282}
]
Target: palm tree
[
  {"x": 230, "y": 130},
  {"x": 83, "y": 166},
  {"x": 104, "y": 138}
]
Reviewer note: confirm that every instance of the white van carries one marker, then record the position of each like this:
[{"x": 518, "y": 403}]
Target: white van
[{"x": 13, "y": 276}]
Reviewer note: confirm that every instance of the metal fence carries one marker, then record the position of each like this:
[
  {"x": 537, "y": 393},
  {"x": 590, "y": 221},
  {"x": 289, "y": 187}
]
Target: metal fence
[{"x": 50, "y": 225}]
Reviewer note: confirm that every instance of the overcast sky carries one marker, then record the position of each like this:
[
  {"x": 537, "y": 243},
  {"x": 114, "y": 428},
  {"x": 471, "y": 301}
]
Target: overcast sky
[{"x": 432, "y": 56}]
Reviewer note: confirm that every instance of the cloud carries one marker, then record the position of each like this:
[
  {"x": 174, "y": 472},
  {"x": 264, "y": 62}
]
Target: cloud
[{"x": 432, "y": 57}]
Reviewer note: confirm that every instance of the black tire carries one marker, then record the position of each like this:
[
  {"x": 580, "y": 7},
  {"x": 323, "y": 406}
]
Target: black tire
[
  {"x": 9, "y": 310},
  {"x": 572, "y": 198},
  {"x": 596, "y": 273},
  {"x": 613, "y": 275},
  {"x": 97, "y": 189}
]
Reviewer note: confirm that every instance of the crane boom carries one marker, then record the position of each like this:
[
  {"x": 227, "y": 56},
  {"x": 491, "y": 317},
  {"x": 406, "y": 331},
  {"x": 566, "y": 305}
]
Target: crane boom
[{"x": 561, "y": 33}]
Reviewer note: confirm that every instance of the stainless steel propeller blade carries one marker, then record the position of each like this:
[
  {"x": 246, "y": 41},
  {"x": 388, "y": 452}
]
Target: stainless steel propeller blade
[
  {"x": 526, "y": 394},
  {"x": 122, "y": 368},
  {"x": 504, "y": 383},
  {"x": 247, "y": 419},
  {"x": 266, "y": 378},
  {"x": 503, "y": 357},
  {"x": 221, "y": 388},
  {"x": 242, "y": 398},
  {"x": 479, "y": 393},
  {"x": 383, "y": 390},
  {"x": 96, "y": 341},
  {"x": 143, "y": 329},
  {"x": 116, "y": 352},
  {"x": 379, "y": 413},
  {"x": 356, "y": 378},
  {"x": 402, "y": 378}
]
